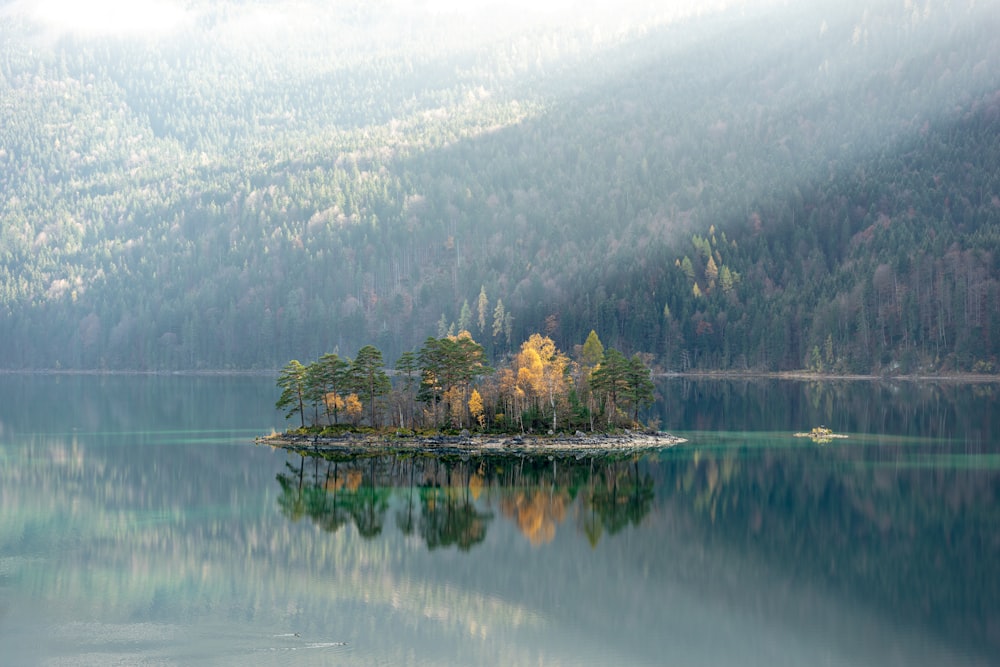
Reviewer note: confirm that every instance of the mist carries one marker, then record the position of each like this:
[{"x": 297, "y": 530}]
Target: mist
[{"x": 369, "y": 167}]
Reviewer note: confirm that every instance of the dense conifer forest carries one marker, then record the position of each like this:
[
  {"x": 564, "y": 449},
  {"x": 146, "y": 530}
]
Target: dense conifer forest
[{"x": 762, "y": 186}]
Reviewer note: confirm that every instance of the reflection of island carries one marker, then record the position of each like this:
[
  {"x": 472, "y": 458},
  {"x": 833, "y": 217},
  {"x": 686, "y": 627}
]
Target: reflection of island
[{"x": 450, "y": 500}]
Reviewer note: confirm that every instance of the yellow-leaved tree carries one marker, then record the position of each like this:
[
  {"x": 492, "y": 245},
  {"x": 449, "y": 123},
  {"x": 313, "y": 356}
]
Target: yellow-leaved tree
[
  {"x": 354, "y": 408},
  {"x": 511, "y": 395},
  {"x": 541, "y": 372},
  {"x": 476, "y": 408},
  {"x": 334, "y": 404}
]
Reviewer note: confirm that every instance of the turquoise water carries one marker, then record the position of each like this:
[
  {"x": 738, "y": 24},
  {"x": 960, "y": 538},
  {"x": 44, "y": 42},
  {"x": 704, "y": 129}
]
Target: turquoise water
[{"x": 140, "y": 525}]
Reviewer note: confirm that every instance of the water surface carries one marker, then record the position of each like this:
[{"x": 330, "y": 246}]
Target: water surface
[{"x": 140, "y": 525}]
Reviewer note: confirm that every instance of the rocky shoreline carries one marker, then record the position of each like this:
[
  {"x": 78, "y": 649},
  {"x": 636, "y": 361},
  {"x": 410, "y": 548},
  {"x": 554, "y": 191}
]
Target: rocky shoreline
[{"x": 578, "y": 444}]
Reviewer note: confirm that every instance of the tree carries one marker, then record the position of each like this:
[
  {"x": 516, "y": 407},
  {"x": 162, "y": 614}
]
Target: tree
[
  {"x": 499, "y": 318},
  {"x": 482, "y": 309},
  {"x": 476, "y": 408},
  {"x": 314, "y": 391},
  {"x": 465, "y": 316},
  {"x": 642, "y": 391},
  {"x": 542, "y": 368},
  {"x": 687, "y": 267},
  {"x": 328, "y": 375},
  {"x": 369, "y": 380},
  {"x": 610, "y": 381},
  {"x": 334, "y": 376},
  {"x": 726, "y": 279},
  {"x": 591, "y": 353},
  {"x": 449, "y": 363},
  {"x": 711, "y": 272},
  {"x": 593, "y": 350},
  {"x": 815, "y": 361},
  {"x": 292, "y": 381},
  {"x": 406, "y": 368},
  {"x": 334, "y": 404},
  {"x": 354, "y": 408}
]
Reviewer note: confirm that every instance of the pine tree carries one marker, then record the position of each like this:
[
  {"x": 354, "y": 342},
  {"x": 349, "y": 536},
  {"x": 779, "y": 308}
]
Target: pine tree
[
  {"x": 292, "y": 381},
  {"x": 499, "y": 318},
  {"x": 369, "y": 380},
  {"x": 642, "y": 391},
  {"x": 482, "y": 310},
  {"x": 465, "y": 317},
  {"x": 610, "y": 382}
]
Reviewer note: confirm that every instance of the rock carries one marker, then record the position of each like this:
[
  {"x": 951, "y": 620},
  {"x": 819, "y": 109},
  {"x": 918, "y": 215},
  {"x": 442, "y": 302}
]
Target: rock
[
  {"x": 465, "y": 433},
  {"x": 580, "y": 434}
]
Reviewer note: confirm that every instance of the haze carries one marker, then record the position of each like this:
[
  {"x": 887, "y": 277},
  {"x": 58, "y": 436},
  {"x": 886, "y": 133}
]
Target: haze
[{"x": 226, "y": 184}]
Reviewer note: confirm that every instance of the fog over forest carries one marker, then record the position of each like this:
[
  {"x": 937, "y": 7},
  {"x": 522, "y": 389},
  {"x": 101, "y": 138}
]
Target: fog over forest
[{"x": 218, "y": 184}]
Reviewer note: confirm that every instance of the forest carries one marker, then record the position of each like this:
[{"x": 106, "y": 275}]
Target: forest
[{"x": 764, "y": 186}]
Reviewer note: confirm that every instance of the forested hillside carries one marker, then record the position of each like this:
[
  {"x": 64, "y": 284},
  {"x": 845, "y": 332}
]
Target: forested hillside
[{"x": 763, "y": 186}]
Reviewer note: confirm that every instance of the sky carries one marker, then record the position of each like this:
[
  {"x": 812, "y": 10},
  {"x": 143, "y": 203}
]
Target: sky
[
  {"x": 105, "y": 17},
  {"x": 158, "y": 18}
]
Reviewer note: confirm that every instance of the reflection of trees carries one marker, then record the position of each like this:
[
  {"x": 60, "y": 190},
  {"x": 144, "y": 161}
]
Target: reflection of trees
[
  {"x": 919, "y": 409},
  {"x": 915, "y": 539},
  {"x": 619, "y": 497},
  {"x": 448, "y": 519},
  {"x": 448, "y": 514},
  {"x": 536, "y": 512},
  {"x": 447, "y": 500},
  {"x": 334, "y": 497},
  {"x": 290, "y": 500},
  {"x": 405, "y": 518}
]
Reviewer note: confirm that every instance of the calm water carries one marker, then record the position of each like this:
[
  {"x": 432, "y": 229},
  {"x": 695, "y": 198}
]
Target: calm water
[{"x": 140, "y": 525}]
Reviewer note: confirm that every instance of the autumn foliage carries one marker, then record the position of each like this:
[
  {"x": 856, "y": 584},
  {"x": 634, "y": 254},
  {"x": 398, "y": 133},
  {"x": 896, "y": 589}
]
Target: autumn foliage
[{"x": 448, "y": 384}]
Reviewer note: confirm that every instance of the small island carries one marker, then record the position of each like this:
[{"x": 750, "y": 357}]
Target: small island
[
  {"x": 445, "y": 398},
  {"x": 821, "y": 435},
  {"x": 562, "y": 445}
]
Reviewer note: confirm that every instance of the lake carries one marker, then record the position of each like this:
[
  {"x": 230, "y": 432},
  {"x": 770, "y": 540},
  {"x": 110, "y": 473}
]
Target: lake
[{"x": 140, "y": 525}]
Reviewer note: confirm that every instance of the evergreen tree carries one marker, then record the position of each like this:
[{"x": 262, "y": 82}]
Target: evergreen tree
[
  {"x": 292, "y": 381},
  {"x": 331, "y": 383},
  {"x": 642, "y": 391},
  {"x": 499, "y": 318},
  {"x": 610, "y": 381},
  {"x": 369, "y": 379},
  {"x": 482, "y": 310}
]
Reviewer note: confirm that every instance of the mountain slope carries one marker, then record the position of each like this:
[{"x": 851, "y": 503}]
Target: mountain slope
[{"x": 221, "y": 201}]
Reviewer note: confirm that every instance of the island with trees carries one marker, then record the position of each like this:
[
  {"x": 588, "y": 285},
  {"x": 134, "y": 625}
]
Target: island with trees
[{"x": 445, "y": 396}]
